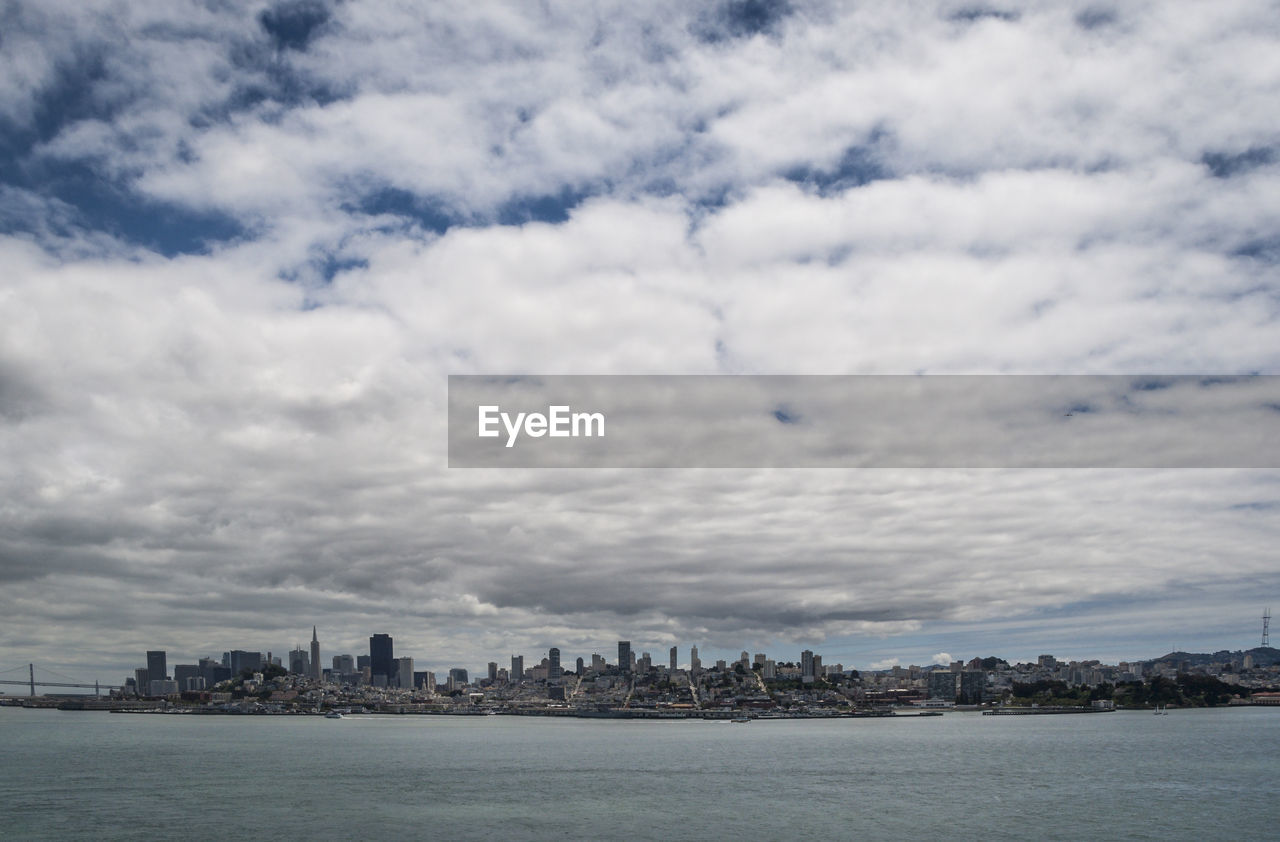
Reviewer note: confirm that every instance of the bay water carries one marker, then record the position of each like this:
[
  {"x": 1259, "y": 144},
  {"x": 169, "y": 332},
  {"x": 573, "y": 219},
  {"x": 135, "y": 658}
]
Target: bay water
[{"x": 1194, "y": 774}]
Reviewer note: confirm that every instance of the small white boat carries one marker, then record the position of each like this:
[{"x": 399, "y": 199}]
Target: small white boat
[{"x": 333, "y": 714}]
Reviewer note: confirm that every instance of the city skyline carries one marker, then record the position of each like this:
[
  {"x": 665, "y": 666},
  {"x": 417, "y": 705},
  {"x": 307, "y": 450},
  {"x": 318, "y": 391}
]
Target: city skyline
[{"x": 387, "y": 663}]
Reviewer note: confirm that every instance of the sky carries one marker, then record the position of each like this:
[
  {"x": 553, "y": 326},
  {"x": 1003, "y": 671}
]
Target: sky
[{"x": 245, "y": 244}]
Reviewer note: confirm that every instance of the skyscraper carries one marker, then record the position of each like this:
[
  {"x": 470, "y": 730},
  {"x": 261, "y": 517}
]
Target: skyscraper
[
  {"x": 554, "y": 672},
  {"x": 806, "y": 666},
  {"x": 624, "y": 655},
  {"x": 157, "y": 668},
  {"x": 673, "y": 660},
  {"x": 317, "y": 672},
  {"x": 404, "y": 673},
  {"x": 381, "y": 655},
  {"x": 695, "y": 665},
  {"x": 517, "y": 668}
]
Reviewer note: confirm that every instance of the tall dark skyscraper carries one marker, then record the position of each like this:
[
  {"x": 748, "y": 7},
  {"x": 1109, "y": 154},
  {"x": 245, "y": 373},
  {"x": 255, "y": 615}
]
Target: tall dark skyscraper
[
  {"x": 381, "y": 656},
  {"x": 157, "y": 666},
  {"x": 554, "y": 671},
  {"x": 624, "y": 655}
]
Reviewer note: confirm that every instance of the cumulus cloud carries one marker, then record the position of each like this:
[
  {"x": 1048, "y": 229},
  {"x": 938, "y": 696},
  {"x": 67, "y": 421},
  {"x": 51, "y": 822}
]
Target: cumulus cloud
[{"x": 246, "y": 243}]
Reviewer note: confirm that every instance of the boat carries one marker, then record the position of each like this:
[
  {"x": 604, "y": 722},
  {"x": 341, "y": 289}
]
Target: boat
[
  {"x": 741, "y": 719},
  {"x": 333, "y": 714}
]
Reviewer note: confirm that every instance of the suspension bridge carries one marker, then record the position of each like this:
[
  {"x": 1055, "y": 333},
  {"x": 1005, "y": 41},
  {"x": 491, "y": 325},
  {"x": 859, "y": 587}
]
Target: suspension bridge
[{"x": 8, "y": 677}]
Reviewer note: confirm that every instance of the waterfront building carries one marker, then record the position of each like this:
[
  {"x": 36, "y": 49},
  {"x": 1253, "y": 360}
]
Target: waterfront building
[
  {"x": 381, "y": 655},
  {"x": 973, "y": 685},
  {"x": 942, "y": 685},
  {"x": 162, "y": 687},
  {"x": 157, "y": 670}
]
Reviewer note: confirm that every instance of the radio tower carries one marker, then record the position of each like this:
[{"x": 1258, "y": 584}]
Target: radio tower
[{"x": 1266, "y": 627}]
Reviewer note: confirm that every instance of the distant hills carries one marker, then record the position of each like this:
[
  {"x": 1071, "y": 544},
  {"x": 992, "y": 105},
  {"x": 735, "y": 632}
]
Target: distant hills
[{"x": 1263, "y": 656}]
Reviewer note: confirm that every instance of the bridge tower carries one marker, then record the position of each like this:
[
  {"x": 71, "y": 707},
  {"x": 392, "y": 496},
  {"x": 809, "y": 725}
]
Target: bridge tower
[
  {"x": 1266, "y": 627},
  {"x": 31, "y": 672}
]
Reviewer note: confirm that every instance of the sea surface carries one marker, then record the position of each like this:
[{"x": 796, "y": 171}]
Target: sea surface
[{"x": 1194, "y": 774}]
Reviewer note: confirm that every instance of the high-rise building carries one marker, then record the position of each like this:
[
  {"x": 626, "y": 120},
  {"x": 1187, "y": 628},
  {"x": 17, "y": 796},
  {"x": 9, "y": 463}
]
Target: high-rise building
[
  {"x": 213, "y": 672},
  {"x": 404, "y": 673},
  {"x": 581, "y": 666},
  {"x": 157, "y": 670},
  {"x": 299, "y": 662},
  {"x": 806, "y": 666},
  {"x": 238, "y": 661},
  {"x": 554, "y": 672},
  {"x": 973, "y": 684},
  {"x": 673, "y": 655},
  {"x": 598, "y": 663},
  {"x": 316, "y": 669},
  {"x": 344, "y": 665},
  {"x": 624, "y": 655},
  {"x": 517, "y": 668},
  {"x": 493, "y": 671},
  {"x": 942, "y": 685},
  {"x": 381, "y": 655},
  {"x": 695, "y": 665},
  {"x": 182, "y": 672},
  {"x": 141, "y": 681}
]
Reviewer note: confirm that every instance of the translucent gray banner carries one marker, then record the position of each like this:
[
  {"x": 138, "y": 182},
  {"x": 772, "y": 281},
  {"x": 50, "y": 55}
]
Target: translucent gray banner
[{"x": 855, "y": 421}]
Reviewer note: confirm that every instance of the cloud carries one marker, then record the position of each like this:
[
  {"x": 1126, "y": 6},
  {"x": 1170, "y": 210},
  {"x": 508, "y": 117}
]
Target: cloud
[{"x": 246, "y": 243}]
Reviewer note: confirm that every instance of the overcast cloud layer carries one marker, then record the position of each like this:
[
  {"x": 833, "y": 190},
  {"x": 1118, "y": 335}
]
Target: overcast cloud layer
[{"x": 245, "y": 243}]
